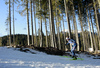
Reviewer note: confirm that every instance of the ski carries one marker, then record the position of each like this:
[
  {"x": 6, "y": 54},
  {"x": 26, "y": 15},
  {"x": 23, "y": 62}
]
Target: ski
[{"x": 70, "y": 58}]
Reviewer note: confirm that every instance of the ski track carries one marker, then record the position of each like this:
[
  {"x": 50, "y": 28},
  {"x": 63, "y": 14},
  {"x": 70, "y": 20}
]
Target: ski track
[{"x": 11, "y": 58}]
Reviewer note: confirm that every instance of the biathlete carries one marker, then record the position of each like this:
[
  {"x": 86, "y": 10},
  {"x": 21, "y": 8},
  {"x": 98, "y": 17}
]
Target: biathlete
[{"x": 74, "y": 46}]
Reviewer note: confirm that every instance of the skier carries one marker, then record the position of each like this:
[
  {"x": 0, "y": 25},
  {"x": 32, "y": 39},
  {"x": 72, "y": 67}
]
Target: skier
[{"x": 74, "y": 45}]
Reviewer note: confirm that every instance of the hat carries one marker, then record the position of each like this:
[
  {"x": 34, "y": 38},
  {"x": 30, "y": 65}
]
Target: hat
[{"x": 67, "y": 38}]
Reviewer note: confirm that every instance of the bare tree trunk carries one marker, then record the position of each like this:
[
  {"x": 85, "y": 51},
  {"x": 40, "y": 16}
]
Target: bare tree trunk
[
  {"x": 80, "y": 18},
  {"x": 13, "y": 25},
  {"x": 97, "y": 23},
  {"x": 64, "y": 34},
  {"x": 52, "y": 23},
  {"x": 57, "y": 26},
  {"x": 54, "y": 36},
  {"x": 50, "y": 32},
  {"x": 68, "y": 21},
  {"x": 67, "y": 17},
  {"x": 10, "y": 22},
  {"x": 28, "y": 36},
  {"x": 35, "y": 23},
  {"x": 90, "y": 30},
  {"x": 41, "y": 35},
  {"x": 46, "y": 33},
  {"x": 98, "y": 14},
  {"x": 32, "y": 22},
  {"x": 93, "y": 32},
  {"x": 64, "y": 30},
  {"x": 57, "y": 34},
  {"x": 87, "y": 41}
]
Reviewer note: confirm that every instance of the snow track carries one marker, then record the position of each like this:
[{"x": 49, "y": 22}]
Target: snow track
[{"x": 11, "y": 58}]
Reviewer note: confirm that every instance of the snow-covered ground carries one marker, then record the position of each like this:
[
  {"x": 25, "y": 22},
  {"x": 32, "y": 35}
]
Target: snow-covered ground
[{"x": 11, "y": 58}]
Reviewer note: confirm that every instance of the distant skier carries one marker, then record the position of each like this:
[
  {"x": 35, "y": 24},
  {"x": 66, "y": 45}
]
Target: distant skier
[{"x": 74, "y": 45}]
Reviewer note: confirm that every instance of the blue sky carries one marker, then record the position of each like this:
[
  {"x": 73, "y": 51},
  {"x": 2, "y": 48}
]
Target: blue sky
[
  {"x": 3, "y": 13},
  {"x": 20, "y": 21},
  {"x": 3, "y": 16}
]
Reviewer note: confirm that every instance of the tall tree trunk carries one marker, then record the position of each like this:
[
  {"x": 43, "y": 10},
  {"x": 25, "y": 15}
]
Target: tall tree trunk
[
  {"x": 90, "y": 30},
  {"x": 57, "y": 34},
  {"x": 68, "y": 21},
  {"x": 64, "y": 33},
  {"x": 13, "y": 25},
  {"x": 28, "y": 36},
  {"x": 55, "y": 42},
  {"x": 64, "y": 29},
  {"x": 93, "y": 33},
  {"x": 35, "y": 23},
  {"x": 59, "y": 39},
  {"x": 46, "y": 32},
  {"x": 54, "y": 36},
  {"x": 67, "y": 17},
  {"x": 97, "y": 23},
  {"x": 87, "y": 41},
  {"x": 52, "y": 23},
  {"x": 10, "y": 22},
  {"x": 32, "y": 22},
  {"x": 80, "y": 18},
  {"x": 57, "y": 26},
  {"x": 75, "y": 26},
  {"x": 41, "y": 35},
  {"x": 50, "y": 32},
  {"x": 98, "y": 15}
]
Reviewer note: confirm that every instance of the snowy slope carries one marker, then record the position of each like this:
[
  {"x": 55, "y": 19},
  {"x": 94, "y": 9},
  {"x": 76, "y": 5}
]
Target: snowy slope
[{"x": 11, "y": 58}]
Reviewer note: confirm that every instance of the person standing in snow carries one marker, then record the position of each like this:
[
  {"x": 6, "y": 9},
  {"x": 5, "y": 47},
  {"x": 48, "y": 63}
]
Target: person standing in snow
[{"x": 74, "y": 45}]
